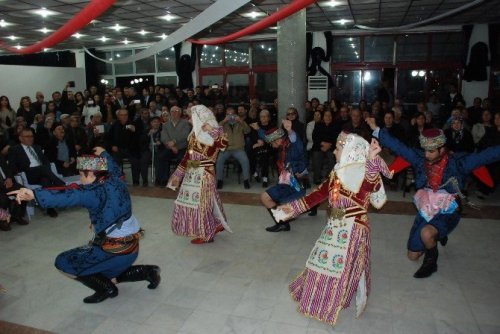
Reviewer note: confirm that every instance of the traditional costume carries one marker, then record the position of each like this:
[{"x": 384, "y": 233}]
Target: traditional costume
[
  {"x": 439, "y": 184},
  {"x": 198, "y": 210},
  {"x": 117, "y": 232},
  {"x": 339, "y": 264}
]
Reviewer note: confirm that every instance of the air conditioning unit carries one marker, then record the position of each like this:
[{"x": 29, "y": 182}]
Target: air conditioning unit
[{"x": 317, "y": 86}]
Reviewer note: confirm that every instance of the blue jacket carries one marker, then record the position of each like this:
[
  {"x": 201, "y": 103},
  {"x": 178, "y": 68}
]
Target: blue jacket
[
  {"x": 459, "y": 166},
  {"x": 108, "y": 202}
]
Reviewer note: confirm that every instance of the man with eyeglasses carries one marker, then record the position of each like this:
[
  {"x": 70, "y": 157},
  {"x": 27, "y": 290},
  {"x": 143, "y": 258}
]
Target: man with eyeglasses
[{"x": 28, "y": 158}]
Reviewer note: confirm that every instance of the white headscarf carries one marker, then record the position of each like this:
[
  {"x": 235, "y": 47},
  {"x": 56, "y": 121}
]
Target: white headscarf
[
  {"x": 201, "y": 115},
  {"x": 351, "y": 168}
]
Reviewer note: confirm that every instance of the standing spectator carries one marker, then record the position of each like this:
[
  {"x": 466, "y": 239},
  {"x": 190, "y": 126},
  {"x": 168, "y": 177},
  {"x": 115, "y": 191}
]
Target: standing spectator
[
  {"x": 56, "y": 97},
  {"x": 146, "y": 98},
  {"x": 40, "y": 106},
  {"x": 7, "y": 114},
  {"x": 261, "y": 151},
  {"x": 475, "y": 111},
  {"x": 76, "y": 134},
  {"x": 80, "y": 102},
  {"x": 324, "y": 137},
  {"x": 174, "y": 136},
  {"x": 235, "y": 130},
  {"x": 153, "y": 109},
  {"x": 7, "y": 183},
  {"x": 479, "y": 129},
  {"x": 61, "y": 151},
  {"x": 142, "y": 133},
  {"x": 26, "y": 111},
  {"x": 97, "y": 131},
  {"x": 434, "y": 108},
  {"x": 68, "y": 103},
  {"x": 90, "y": 108}
]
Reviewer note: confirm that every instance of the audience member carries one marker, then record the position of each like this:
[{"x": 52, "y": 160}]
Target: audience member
[
  {"x": 61, "y": 151},
  {"x": 16, "y": 211}
]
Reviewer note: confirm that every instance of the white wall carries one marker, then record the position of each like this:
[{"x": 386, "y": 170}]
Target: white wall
[
  {"x": 473, "y": 89},
  {"x": 18, "y": 81}
]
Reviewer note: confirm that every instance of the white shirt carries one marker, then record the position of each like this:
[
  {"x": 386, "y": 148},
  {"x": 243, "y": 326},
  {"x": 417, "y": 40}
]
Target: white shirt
[{"x": 34, "y": 160}]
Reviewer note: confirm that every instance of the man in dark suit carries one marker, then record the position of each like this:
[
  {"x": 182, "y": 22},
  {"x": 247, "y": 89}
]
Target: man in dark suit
[
  {"x": 61, "y": 151},
  {"x": 7, "y": 183},
  {"x": 28, "y": 158}
]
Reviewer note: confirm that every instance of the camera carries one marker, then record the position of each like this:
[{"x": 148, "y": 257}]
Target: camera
[
  {"x": 100, "y": 128},
  {"x": 137, "y": 101}
]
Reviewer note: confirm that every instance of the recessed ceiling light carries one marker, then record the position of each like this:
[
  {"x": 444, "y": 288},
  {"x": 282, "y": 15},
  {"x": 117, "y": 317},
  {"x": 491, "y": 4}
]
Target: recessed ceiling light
[
  {"x": 117, "y": 27},
  {"x": 333, "y": 3},
  {"x": 163, "y": 36},
  {"x": 18, "y": 47},
  {"x": 168, "y": 17},
  {"x": 44, "y": 30},
  {"x": 43, "y": 12},
  {"x": 4, "y": 24},
  {"x": 103, "y": 39},
  {"x": 125, "y": 41},
  {"x": 342, "y": 21},
  {"x": 143, "y": 32},
  {"x": 254, "y": 14},
  {"x": 12, "y": 37},
  {"x": 273, "y": 28},
  {"x": 46, "y": 49},
  {"x": 78, "y": 35}
]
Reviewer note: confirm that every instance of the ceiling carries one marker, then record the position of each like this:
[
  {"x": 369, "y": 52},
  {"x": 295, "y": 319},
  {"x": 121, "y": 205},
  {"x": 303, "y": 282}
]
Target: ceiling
[{"x": 20, "y": 26}]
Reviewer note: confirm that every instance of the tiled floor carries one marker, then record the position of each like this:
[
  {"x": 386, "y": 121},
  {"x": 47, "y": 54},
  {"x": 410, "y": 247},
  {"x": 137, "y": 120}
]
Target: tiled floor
[{"x": 238, "y": 284}]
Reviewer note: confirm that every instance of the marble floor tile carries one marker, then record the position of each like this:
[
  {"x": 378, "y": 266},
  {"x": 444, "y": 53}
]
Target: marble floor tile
[{"x": 204, "y": 322}]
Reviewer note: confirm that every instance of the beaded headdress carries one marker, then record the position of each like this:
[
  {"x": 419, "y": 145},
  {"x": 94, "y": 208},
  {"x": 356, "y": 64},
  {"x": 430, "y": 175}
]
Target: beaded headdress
[
  {"x": 274, "y": 134},
  {"x": 431, "y": 139},
  {"x": 92, "y": 163}
]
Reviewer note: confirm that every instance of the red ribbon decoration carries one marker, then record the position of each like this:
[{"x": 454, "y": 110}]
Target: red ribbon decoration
[
  {"x": 93, "y": 10},
  {"x": 286, "y": 11}
]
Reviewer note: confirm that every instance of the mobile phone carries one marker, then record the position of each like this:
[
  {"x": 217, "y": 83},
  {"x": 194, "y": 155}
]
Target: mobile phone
[
  {"x": 71, "y": 84},
  {"x": 137, "y": 101},
  {"x": 215, "y": 86},
  {"x": 100, "y": 128},
  {"x": 90, "y": 102}
]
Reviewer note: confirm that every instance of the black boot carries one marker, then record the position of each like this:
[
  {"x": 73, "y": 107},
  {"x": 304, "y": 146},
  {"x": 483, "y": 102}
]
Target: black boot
[
  {"x": 314, "y": 211},
  {"x": 141, "y": 273},
  {"x": 429, "y": 265},
  {"x": 443, "y": 241},
  {"x": 279, "y": 227},
  {"x": 102, "y": 286}
]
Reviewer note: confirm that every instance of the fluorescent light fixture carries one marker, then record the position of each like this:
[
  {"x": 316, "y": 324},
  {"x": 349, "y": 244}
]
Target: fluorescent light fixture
[
  {"x": 168, "y": 17},
  {"x": 273, "y": 28},
  {"x": 342, "y": 21},
  {"x": 333, "y": 3},
  {"x": 44, "y": 30},
  {"x": 43, "y": 12},
  {"x": 12, "y": 37},
  {"x": 78, "y": 35},
  {"x": 103, "y": 39},
  {"x": 117, "y": 27},
  {"x": 143, "y": 32},
  {"x": 125, "y": 41},
  {"x": 4, "y": 24},
  {"x": 46, "y": 49},
  {"x": 253, "y": 14}
]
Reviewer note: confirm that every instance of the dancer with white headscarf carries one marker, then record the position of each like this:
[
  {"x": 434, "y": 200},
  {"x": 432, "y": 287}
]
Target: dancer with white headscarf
[
  {"x": 198, "y": 209},
  {"x": 339, "y": 264}
]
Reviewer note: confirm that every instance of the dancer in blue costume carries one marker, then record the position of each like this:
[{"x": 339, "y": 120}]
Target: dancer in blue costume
[
  {"x": 108, "y": 258},
  {"x": 440, "y": 176}
]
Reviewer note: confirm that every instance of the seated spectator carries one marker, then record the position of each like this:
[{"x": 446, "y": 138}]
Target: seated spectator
[
  {"x": 458, "y": 138},
  {"x": 324, "y": 138},
  {"x": 153, "y": 109},
  {"x": 142, "y": 133},
  {"x": 310, "y": 128},
  {"x": 479, "y": 129},
  {"x": 261, "y": 151},
  {"x": 394, "y": 130},
  {"x": 174, "y": 135},
  {"x": 61, "y": 151},
  {"x": 28, "y": 158},
  {"x": 357, "y": 125},
  {"x": 418, "y": 124},
  {"x": 165, "y": 115},
  {"x": 9, "y": 206},
  {"x": 434, "y": 107},
  {"x": 39, "y": 106},
  {"x": 26, "y": 111},
  {"x": 124, "y": 144},
  {"x": 235, "y": 129},
  {"x": 43, "y": 132},
  {"x": 77, "y": 135},
  {"x": 298, "y": 127},
  {"x": 7, "y": 114},
  {"x": 97, "y": 131}
]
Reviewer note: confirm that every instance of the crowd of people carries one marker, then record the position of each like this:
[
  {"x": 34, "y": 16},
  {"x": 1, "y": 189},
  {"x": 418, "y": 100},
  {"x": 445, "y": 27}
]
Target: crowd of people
[{"x": 151, "y": 127}]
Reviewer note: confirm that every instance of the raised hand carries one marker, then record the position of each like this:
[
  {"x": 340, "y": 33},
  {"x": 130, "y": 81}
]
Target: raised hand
[
  {"x": 371, "y": 123},
  {"x": 374, "y": 149}
]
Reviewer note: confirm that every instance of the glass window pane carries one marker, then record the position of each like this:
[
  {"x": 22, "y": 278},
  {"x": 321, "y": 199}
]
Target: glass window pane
[
  {"x": 412, "y": 48},
  {"x": 440, "y": 80},
  {"x": 104, "y": 68},
  {"x": 170, "y": 80},
  {"x": 379, "y": 48},
  {"x": 371, "y": 84},
  {"x": 127, "y": 68},
  {"x": 264, "y": 53},
  {"x": 237, "y": 88},
  {"x": 411, "y": 85},
  {"x": 146, "y": 65},
  {"x": 347, "y": 86},
  {"x": 345, "y": 49},
  {"x": 211, "y": 56},
  {"x": 166, "y": 60},
  {"x": 446, "y": 47},
  {"x": 237, "y": 54},
  {"x": 209, "y": 80},
  {"x": 266, "y": 86}
]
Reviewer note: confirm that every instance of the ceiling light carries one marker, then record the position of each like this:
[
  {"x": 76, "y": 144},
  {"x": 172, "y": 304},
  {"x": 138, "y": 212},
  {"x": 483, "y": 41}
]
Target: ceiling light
[
  {"x": 421, "y": 73},
  {"x": 273, "y": 28},
  {"x": 342, "y": 21},
  {"x": 163, "y": 36},
  {"x": 414, "y": 73},
  {"x": 117, "y": 27},
  {"x": 43, "y": 12},
  {"x": 126, "y": 41},
  {"x": 117, "y": 55},
  {"x": 254, "y": 14},
  {"x": 18, "y": 46},
  {"x": 46, "y": 49},
  {"x": 367, "y": 76},
  {"x": 4, "y": 24},
  {"x": 12, "y": 37},
  {"x": 168, "y": 17},
  {"x": 44, "y": 30},
  {"x": 78, "y": 35},
  {"x": 103, "y": 39},
  {"x": 333, "y": 3},
  {"x": 143, "y": 32}
]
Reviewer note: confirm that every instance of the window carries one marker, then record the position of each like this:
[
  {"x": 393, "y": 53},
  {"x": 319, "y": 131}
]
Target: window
[
  {"x": 447, "y": 47},
  {"x": 127, "y": 68},
  {"x": 146, "y": 65},
  {"x": 346, "y": 49},
  {"x": 211, "y": 56},
  {"x": 411, "y": 85},
  {"x": 165, "y": 60},
  {"x": 412, "y": 48},
  {"x": 264, "y": 53},
  {"x": 371, "y": 84},
  {"x": 347, "y": 86},
  {"x": 266, "y": 86},
  {"x": 379, "y": 48},
  {"x": 237, "y": 88},
  {"x": 237, "y": 54},
  {"x": 102, "y": 67},
  {"x": 170, "y": 80},
  {"x": 440, "y": 80},
  {"x": 209, "y": 80}
]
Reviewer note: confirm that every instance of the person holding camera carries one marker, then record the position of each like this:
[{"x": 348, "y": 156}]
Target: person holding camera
[{"x": 235, "y": 130}]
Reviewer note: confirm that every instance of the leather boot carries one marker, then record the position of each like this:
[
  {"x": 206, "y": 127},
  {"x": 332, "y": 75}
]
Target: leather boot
[
  {"x": 141, "y": 273},
  {"x": 429, "y": 266},
  {"x": 314, "y": 211},
  {"x": 285, "y": 226},
  {"x": 102, "y": 286}
]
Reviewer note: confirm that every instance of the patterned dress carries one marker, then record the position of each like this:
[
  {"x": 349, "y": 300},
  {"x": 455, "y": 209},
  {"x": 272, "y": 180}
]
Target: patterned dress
[
  {"x": 339, "y": 263},
  {"x": 198, "y": 209}
]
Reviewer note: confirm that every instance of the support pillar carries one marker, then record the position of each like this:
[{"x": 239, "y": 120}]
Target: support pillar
[{"x": 292, "y": 64}]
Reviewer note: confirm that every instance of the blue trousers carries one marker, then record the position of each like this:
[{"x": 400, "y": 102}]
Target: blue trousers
[
  {"x": 444, "y": 223},
  {"x": 240, "y": 156}
]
